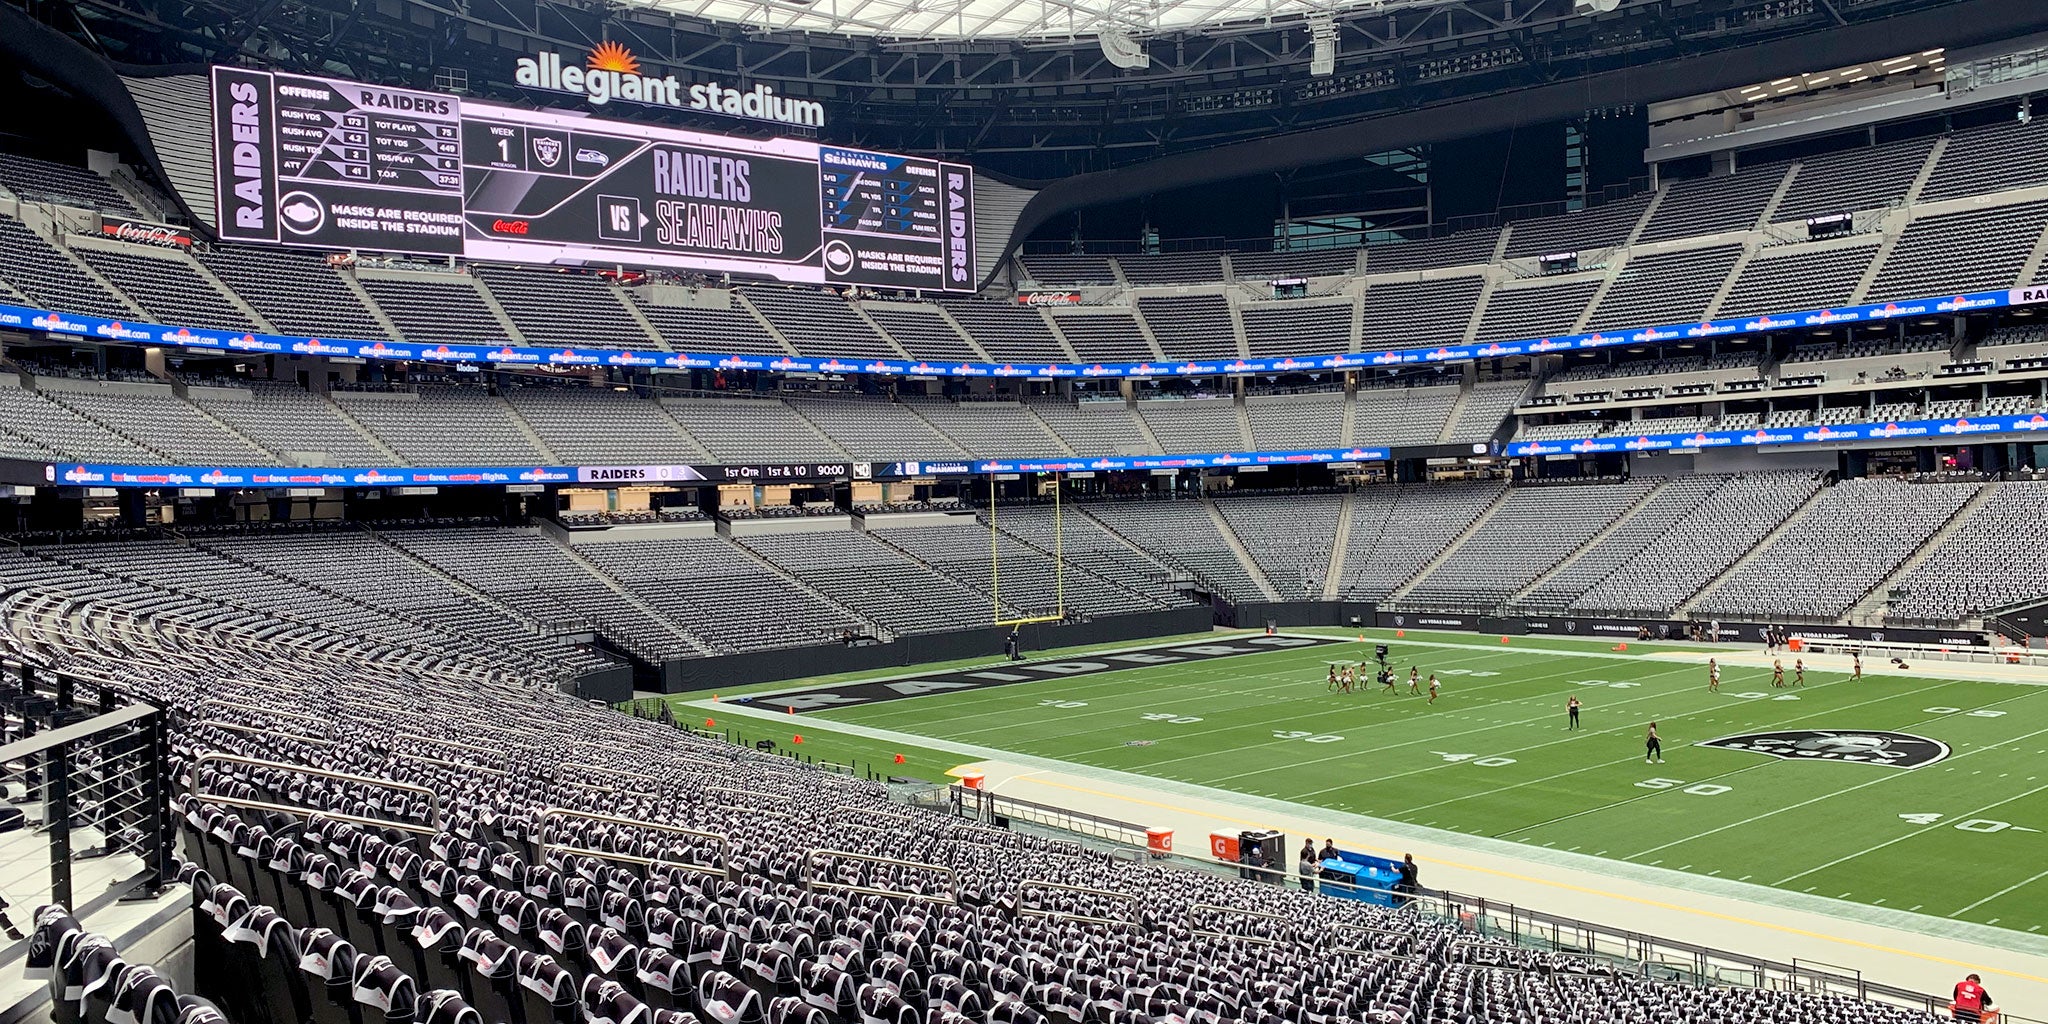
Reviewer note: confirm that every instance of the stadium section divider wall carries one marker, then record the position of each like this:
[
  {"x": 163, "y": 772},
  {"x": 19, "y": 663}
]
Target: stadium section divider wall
[
  {"x": 2021, "y": 623},
  {"x": 610, "y": 685},
  {"x": 689, "y": 674},
  {"x": 1255, "y": 614}
]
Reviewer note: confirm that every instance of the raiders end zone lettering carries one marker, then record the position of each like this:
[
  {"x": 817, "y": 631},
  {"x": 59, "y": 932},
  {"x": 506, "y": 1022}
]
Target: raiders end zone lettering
[{"x": 850, "y": 694}]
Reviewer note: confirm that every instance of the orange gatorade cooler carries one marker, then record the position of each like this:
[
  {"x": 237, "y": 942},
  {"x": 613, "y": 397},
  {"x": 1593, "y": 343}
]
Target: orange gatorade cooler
[
  {"x": 1223, "y": 847},
  {"x": 1159, "y": 840},
  {"x": 972, "y": 780}
]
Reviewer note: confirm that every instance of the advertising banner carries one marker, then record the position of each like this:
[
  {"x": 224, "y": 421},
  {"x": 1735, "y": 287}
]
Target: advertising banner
[
  {"x": 132, "y": 229},
  {"x": 1960, "y": 427},
  {"x": 573, "y": 354},
  {"x": 75, "y": 474},
  {"x": 1076, "y": 464}
]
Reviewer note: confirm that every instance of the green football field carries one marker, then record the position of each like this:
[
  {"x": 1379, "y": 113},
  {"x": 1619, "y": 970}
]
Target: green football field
[{"x": 1958, "y": 837}]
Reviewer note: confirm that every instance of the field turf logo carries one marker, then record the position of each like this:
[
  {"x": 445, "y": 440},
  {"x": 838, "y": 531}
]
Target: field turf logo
[{"x": 1893, "y": 749}]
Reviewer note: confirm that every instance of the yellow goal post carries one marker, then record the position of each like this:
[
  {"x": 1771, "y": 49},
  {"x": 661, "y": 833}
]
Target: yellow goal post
[{"x": 1059, "y": 562}]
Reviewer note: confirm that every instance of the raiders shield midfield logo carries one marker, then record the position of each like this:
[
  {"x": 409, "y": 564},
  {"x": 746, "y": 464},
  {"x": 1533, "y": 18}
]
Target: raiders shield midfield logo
[
  {"x": 1896, "y": 749},
  {"x": 547, "y": 149}
]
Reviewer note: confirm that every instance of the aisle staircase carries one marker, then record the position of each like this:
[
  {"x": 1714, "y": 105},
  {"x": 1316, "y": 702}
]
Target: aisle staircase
[
  {"x": 1684, "y": 610},
  {"x": 1450, "y": 549},
  {"x": 1871, "y": 609},
  {"x": 1236, "y": 546}
]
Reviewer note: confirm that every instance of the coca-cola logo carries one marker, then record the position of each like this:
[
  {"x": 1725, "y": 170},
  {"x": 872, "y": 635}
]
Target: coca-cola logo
[
  {"x": 509, "y": 227},
  {"x": 145, "y": 234}
]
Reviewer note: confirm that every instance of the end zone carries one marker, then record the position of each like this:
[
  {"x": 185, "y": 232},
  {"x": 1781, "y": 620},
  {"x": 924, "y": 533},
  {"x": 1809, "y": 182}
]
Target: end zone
[{"x": 918, "y": 684}]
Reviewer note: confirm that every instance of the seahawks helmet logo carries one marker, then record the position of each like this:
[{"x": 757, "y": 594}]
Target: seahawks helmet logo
[{"x": 1896, "y": 749}]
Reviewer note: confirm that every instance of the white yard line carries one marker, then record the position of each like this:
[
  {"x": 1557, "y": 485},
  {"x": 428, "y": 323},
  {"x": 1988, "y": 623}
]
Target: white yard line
[
  {"x": 1922, "y": 830},
  {"x": 2010, "y": 888}
]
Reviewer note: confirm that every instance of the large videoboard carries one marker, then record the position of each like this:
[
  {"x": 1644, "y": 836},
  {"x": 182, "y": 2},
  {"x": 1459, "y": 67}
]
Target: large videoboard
[{"x": 321, "y": 163}]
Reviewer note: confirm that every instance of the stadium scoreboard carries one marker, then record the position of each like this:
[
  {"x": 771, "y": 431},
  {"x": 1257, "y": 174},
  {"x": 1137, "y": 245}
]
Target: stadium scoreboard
[{"x": 331, "y": 164}]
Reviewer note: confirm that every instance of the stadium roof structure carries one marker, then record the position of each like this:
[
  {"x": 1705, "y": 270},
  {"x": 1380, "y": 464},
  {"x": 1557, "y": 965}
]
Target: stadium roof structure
[
  {"x": 1039, "y": 91},
  {"x": 1014, "y": 19}
]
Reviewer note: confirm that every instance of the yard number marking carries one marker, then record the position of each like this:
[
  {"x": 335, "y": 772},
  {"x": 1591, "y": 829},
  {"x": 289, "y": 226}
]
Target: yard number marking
[
  {"x": 1702, "y": 789},
  {"x": 1483, "y": 762},
  {"x": 1982, "y": 826},
  {"x": 1305, "y": 737}
]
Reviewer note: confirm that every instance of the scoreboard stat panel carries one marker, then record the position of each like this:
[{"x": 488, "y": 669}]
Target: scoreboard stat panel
[{"x": 324, "y": 163}]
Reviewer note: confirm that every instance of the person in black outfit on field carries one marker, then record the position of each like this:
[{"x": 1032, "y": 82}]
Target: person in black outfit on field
[{"x": 1407, "y": 886}]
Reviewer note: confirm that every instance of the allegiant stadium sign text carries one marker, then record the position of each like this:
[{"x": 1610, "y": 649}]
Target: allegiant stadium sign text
[{"x": 547, "y": 70}]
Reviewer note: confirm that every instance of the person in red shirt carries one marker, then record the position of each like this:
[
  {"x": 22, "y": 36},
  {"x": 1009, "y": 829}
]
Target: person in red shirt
[{"x": 1971, "y": 1001}]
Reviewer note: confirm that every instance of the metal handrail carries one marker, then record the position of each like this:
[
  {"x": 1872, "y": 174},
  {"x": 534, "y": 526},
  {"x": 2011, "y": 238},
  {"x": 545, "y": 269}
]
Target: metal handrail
[
  {"x": 1633, "y": 966},
  {"x": 1406, "y": 955},
  {"x": 214, "y": 756},
  {"x": 1381, "y": 953},
  {"x": 250, "y": 730},
  {"x": 258, "y": 709},
  {"x": 458, "y": 744},
  {"x": 308, "y": 812},
  {"x": 645, "y": 862},
  {"x": 1524, "y": 923},
  {"x": 1006, "y": 837},
  {"x": 1052, "y": 816},
  {"x": 723, "y": 870},
  {"x": 1369, "y": 930},
  {"x": 709, "y": 791},
  {"x": 1235, "y": 910},
  {"x": 875, "y": 812},
  {"x": 33, "y": 745},
  {"x": 593, "y": 769},
  {"x": 1517, "y": 969},
  {"x": 424, "y": 759},
  {"x": 952, "y": 879},
  {"x": 1128, "y": 899}
]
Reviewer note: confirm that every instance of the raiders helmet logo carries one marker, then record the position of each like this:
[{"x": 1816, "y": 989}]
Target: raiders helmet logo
[
  {"x": 1895, "y": 749},
  {"x": 547, "y": 149}
]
